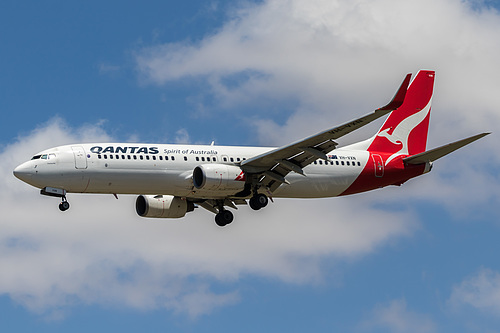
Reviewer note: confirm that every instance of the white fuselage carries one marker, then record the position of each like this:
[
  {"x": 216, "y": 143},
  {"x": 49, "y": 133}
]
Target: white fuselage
[{"x": 123, "y": 168}]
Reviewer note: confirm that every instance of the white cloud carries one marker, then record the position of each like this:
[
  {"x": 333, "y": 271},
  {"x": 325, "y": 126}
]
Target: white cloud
[
  {"x": 329, "y": 53},
  {"x": 480, "y": 291},
  {"x": 395, "y": 317},
  {"x": 182, "y": 136},
  {"x": 100, "y": 252}
]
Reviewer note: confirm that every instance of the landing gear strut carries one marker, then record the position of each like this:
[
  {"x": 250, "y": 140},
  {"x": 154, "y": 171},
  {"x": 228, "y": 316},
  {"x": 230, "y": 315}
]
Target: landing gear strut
[
  {"x": 58, "y": 193},
  {"x": 258, "y": 201}
]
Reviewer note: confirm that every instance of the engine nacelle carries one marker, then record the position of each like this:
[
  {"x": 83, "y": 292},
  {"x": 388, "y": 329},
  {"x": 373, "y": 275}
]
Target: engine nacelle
[
  {"x": 218, "y": 177},
  {"x": 162, "y": 206}
]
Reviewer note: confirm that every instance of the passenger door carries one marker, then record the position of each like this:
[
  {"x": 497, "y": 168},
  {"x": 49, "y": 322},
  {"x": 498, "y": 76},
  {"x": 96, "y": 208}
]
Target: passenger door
[{"x": 80, "y": 158}]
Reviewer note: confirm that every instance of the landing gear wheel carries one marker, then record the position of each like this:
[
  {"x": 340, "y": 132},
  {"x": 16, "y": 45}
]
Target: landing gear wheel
[
  {"x": 224, "y": 218},
  {"x": 64, "y": 206},
  {"x": 258, "y": 201}
]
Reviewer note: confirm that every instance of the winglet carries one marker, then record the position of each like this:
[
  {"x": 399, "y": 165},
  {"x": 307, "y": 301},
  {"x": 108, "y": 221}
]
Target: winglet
[
  {"x": 399, "y": 98},
  {"x": 436, "y": 153}
]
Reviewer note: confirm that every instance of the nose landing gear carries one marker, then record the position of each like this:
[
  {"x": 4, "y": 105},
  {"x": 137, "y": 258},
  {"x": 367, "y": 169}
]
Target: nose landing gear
[
  {"x": 58, "y": 193},
  {"x": 64, "y": 205}
]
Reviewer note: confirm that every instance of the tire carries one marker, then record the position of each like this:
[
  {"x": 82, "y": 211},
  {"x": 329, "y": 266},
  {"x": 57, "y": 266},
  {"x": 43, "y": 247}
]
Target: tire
[
  {"x": 64, "y": 206},
  {"x": 254, "y": 204},
  {"x": 262, "y": 200},
  {"x": 224, "y": 218},
  {"x": 258, "y": 201}
]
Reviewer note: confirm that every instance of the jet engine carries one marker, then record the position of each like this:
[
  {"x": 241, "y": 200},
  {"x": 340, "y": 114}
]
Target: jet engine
[
  {"x": 162, "y": 206},
  {"x": 218, "y": 177}
]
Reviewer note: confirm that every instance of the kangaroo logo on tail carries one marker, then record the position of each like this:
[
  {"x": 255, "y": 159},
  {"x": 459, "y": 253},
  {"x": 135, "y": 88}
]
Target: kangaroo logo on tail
[
  {"x": 405, "y": 131},
  {"x": 401, "y": 134}
]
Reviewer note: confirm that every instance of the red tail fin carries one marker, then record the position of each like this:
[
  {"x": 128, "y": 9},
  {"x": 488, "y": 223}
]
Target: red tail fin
[{"x": 405, "y": 131}]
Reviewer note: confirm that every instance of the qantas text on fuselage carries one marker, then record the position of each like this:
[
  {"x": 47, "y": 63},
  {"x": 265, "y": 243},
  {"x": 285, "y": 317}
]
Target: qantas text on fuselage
[{"x": 172, "y": 180}]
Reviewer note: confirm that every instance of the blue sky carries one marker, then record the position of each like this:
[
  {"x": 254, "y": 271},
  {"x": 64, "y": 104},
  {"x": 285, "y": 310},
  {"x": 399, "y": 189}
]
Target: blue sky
[{"x": 417, "y": 258}]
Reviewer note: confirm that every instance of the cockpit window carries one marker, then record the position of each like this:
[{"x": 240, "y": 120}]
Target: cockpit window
[
  {"x": 36, "y": 157},
  {"x": 44, "y": 156}
]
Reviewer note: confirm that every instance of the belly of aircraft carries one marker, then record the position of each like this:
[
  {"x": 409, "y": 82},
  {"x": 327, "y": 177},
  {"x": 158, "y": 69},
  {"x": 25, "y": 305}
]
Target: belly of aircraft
[{"x": 314, "y": 186}]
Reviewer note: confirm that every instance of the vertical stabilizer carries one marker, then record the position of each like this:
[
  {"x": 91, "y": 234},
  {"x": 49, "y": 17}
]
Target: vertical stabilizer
[{"x": 405, "y": 131}]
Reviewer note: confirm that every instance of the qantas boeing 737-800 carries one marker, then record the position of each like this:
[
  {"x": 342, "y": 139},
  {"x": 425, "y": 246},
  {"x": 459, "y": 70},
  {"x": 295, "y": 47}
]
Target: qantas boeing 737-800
[{"x": 172, "y": 180}]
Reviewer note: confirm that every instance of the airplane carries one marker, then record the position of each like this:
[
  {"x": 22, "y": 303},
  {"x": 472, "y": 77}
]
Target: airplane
[{"x": 174, "y": 179}]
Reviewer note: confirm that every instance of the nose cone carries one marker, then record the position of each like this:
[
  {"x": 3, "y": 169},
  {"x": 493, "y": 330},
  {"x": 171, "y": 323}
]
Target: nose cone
[{"x": 24, "y": 172}]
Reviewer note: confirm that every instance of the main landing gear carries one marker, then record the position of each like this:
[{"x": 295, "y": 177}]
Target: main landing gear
[
  {"x": 223, "y": 218},
  {"x": 258, "y": 201}
]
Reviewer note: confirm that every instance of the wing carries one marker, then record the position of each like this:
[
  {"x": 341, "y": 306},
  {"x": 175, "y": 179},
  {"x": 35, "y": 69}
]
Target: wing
[{"x": 270, "y": 169}]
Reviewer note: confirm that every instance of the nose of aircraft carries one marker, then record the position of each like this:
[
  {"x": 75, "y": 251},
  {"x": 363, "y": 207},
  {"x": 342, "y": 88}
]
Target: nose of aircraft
[{"x": 23, "y": 172}]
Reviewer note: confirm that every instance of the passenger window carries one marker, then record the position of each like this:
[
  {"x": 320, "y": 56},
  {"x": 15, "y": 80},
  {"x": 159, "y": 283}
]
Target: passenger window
[
  {"x": 135, "y": 157},
  {"x": 197, "y": 159},
  {"x": 337, "y": 162},
  {"x": 147, "y": 157},
  {"x": 117, "y": 157},
  {"x": 173, "y": 158},
  {"x": 359, "y": 164},
  {"x": 238, "y": 159},
  {"x": 154, "y": 158},
  {"x": 161, "y": 158},
  {"x": 128, "y": 156},
  {"x": 185, "y": 158},
  {"x": 110, "y": 157},
  {"x": 320, "y": 162},
  {"x": 105, "y": 157},
  {"x": 214, "y": 159},
  {"x": 166, "y": 158},
  {"x": 231, "y": 159},
  {"x": 99, "y": 156},
  {"x": 225, "y": 159},
  {"x": 342, "y": 162},
  {"x": 141, "y": 157},
  {"x": 347, "y": 163},
  {"x": 203, "y": 159},
  {"x": 315, "y": 162}
]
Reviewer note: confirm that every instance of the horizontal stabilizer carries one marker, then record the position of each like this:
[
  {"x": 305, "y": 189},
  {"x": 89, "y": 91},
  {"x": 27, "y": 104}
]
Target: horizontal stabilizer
[{"x": 436, "y": 153}]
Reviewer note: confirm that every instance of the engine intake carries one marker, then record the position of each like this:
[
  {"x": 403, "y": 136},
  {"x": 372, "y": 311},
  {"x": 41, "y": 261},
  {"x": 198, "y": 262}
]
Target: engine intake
[
  {"x": 162, "y": 206},
  {"x": 220, "y": 177}
]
